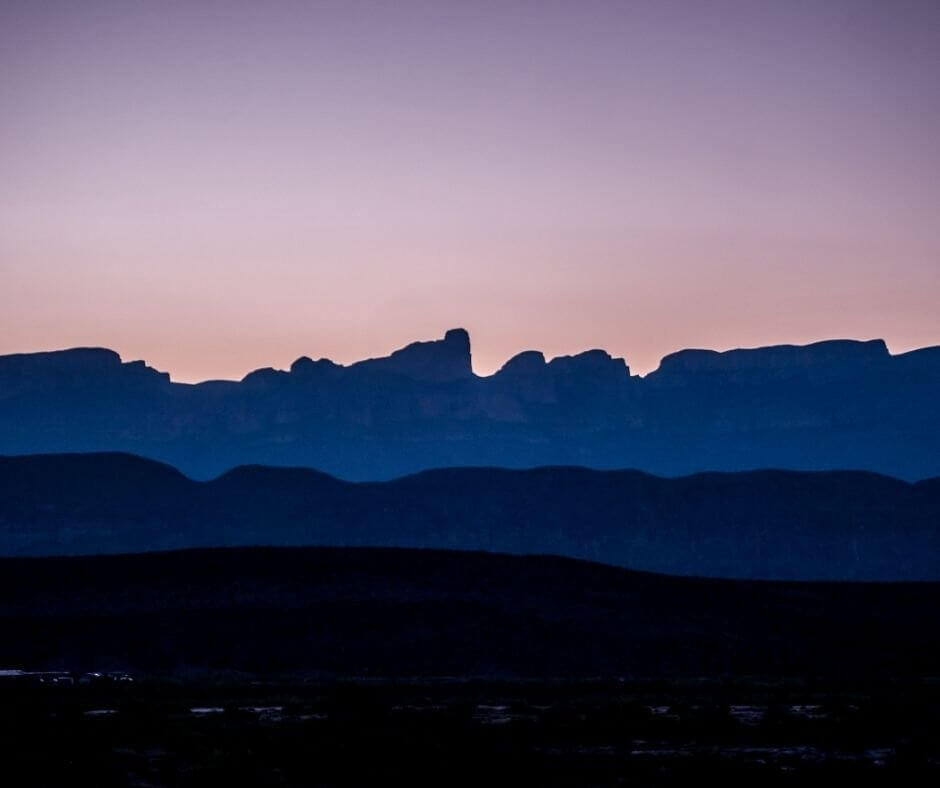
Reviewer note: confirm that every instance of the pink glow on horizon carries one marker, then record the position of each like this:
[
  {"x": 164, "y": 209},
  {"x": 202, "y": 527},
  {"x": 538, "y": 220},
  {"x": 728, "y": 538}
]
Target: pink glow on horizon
[{"x": 217, "y": 187}]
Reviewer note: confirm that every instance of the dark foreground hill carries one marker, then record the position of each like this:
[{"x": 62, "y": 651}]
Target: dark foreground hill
[
  {"x": 324, "y": 612},
  {"x": 833, "y": 404},
  {"x": 762, "y": 524}
]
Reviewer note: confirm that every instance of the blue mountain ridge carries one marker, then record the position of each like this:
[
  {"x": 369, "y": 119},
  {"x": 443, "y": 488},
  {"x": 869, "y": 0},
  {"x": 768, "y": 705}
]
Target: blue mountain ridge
[{"x": 829, "y": 405}]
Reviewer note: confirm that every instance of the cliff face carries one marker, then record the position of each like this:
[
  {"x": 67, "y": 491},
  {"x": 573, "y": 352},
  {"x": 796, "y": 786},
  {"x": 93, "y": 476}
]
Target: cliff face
[
  {"x": 837, "y": 404},
  {"x": 821, "y": 360}
]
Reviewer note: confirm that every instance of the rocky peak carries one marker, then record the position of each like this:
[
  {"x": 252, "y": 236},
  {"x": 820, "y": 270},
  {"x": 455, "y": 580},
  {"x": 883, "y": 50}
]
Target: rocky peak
[
  {"x": 436, "y": 361},
  {"x": 528, "y": 362},
  {"x": 305, "y": 366},
  {"x": 590, "y": 362}
]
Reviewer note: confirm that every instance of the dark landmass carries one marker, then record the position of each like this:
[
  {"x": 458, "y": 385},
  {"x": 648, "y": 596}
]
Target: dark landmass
[
  {"x": 347, "y": 667},
  {"x": 831, "y": 405},
  {"x": 329, "y": 613},
  {"x": 472, "y": 733},
  {"x": 760, "y": 524}
]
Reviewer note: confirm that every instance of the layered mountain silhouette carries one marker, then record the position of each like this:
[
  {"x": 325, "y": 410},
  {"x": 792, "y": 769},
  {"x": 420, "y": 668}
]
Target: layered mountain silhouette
[
  {"x": 834, "y": 404},
  {"x": 760, "y": 524}
]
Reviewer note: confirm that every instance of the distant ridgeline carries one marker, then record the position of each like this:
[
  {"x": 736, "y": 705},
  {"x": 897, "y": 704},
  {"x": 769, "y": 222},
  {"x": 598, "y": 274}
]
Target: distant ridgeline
[
  {"x": 786, "y": 525},
  {"x": 838, "y": 404}
]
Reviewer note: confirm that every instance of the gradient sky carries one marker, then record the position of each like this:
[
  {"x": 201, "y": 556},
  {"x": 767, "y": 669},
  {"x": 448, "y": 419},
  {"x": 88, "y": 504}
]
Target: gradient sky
[{"x": 220, "y": 186}]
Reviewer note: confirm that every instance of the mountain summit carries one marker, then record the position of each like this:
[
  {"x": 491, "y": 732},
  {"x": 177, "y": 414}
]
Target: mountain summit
[{"x": 436, "y": 361}]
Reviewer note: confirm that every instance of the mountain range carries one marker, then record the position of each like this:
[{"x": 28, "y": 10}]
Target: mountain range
[
  {"x": 782, "y": 525},
  {"x": 835, "y": 404}
]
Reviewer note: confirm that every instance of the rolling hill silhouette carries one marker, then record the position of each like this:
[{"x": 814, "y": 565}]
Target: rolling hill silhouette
[
  {"x": 329, "y": 611},
  {"x": 760, "y": 524},
  {"x": 831, "y": 405}
]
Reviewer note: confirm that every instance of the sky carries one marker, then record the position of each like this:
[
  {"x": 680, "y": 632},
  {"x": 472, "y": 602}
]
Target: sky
[{"x": 220, "y": 186}]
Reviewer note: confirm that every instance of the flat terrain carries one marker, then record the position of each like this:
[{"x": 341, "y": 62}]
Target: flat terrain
[{"x": 593, "y": 733}]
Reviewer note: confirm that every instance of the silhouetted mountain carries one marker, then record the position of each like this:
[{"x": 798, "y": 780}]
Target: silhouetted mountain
[
  {"x": 438, "y": 362},
  {"x": 838, "y": 404},
  {"x": 411, "y": 612},
  {"x": 758, "y": 524}
]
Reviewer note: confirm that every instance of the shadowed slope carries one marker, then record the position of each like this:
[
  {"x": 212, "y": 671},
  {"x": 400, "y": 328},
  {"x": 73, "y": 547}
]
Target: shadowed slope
[
  {"x": 406, "y": 612},
  {"x": 760, "y": 524}
]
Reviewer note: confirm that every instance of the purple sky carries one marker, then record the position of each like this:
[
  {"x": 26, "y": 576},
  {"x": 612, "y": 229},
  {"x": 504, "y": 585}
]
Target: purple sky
[{"x": 219, "y": 186}]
